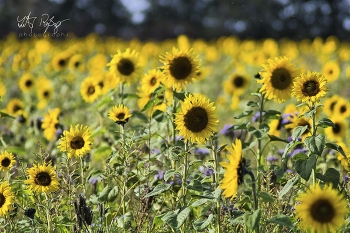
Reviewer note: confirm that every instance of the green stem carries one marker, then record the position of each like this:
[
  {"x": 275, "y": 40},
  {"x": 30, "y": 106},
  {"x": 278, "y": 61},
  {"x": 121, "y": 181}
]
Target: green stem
[
  {"x": 184, "y": 188},
  {"x": 69, "y": 190},
  {"x": 259, "y": 152},
  {"x": 314, "y": 128},
  {"x": 256, "y": 204},
  {"x": 47, "y": 209},
  {"x": 82, "y": 173},
  {"x": 216, "y": 181}
]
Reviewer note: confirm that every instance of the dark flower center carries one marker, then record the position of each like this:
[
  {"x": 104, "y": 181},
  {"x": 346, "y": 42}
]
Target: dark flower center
[
  {"x": 322, "y": 211},
  {"x": 16, "y": 108},
  {"x": 62, "y": 62},
  {"x": 121, "y": 116},
  {"x": 180, "y": 68},
  {"x": 91, "y": 90},
  {"x": 153, "y": 81},
  {"x": 5, "y": 162},
  {"x": 2, "y": 200},
  {"x": 125, "y": 66},
  {"x": 281, "y": 79},
  {"x": 343, "y": 109},
  {"x": 28, "y": 83},
  {"x": 336, "y": 128},
  {"x": 43, "y": 179},
  {"x": 101, "y": 84},
  {"x": 77, "y": 64},
  {"x": 196, "y": 119},
  {"x": 46, "y": 93},
  {"x": 238, "y": 81},
  {"x": 332, "y": 105},
  {"x": 77, "y": 143},
  {"x": 311, "y": 88}
]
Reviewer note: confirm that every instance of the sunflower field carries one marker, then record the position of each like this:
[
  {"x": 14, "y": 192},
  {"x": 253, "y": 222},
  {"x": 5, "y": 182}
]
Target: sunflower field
[{"x": 100, "y": 134}]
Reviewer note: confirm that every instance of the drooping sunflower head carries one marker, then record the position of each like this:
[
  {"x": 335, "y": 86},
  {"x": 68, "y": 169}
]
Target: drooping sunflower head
[
  {"x": 27, "y": 82},
  {"x": 236, "y": 84},
  {"x": 90, "y": 89},
  {"x": 331, "y": 71},
  {"x": 338, "y": 132},
  {"x": 119, "y": 114},
  {"x": 15, "y": 107},
  {"x": 42, "y": 178},
  {"x": 309, "y": 87},
  {"x": 233, "y": 175},
  {"x": 6, "y": 198},
  {"x": 7, "y": 160},
  {"x": 152, "y": 80},
  {"x": 321, "y": 209},
  {"x": 125, "y": 67},
  {"x": 197, "y": 119},
  {"x": 277, "y": 79},
  {"x": 77, "y": 141},
  {"x": 180, "y": 68}
]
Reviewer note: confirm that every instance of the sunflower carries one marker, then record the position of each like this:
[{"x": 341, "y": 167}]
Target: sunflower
[
  {"x": 237, "y": 84},
  {"x": 310, "y": 87},
  {"x": 2, "y": 89},
  {"x": 331, "y": 71},
  {"x": 180, "y": 68},
  {"x": 277, "y": 79},
  {"x": 344, "y": 161},
  {"x": 6, "y": 198},
  {"x": 233, "y": 175},
  {"x": 338, "y": 132},
  {"x": 7, "y": 160},
  {"x": 15, "y": 107},
  {"x": 321, "y": 210},
  {"x": 77, "y": 141},
  {"x": 49, "y": 123},
  {"x": 76, "y": 63},
  {"x": 42, "y": 178},
  {"x": 275, "y": 127},
  {"x": 342, "y": 108},
  {"x": 295, "y": 121},
  {"x": 27, "y": 82},
  {"x": 60, "y": 61},
  {"x": 119, "y": 114},
  {"x": 90, "y": 89},
  {"x": 329, "y": 105},
  {"x": 161, "y": 103},
  {"x": 151, "y": 80},
  {"x": 197, "y": 119},
  {"x": 124, "y": 66}
]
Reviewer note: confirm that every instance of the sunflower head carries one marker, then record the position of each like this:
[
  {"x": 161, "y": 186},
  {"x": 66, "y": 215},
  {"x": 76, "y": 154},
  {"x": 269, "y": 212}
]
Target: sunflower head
[
  {"x": 233, "y": 175},
  {"x": 42, "y": 178},
  {"x": 77, "y": 141},
  {"x": 15, "y": 107},
  {"x": 50, "y": 122},
  {"x": 152, "y": 80},
  {"x": 6, "y": 198},
  {"x": 277, "y": 79},
  {"x": 331, "y": 71},
  {"x": 125, "y": 67},
  {"x": 27, "y": 82},
  {"x": 237, "y": 84},
  {"x": 321, "y": 209},
  {"x": 338, "y": 132},
  {"x": 119, "y": 114},
  {"x": 7, "y": 160},
  {"x": 197, "y": 120},
  {"x": 90, "y": 90},
  {"x": 309, "y": 87},
  {"x": 295, "y": 121},
  {"x": 180, "y": 68}
]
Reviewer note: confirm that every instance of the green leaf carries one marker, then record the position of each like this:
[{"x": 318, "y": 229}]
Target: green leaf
[
  {"x": 300, "y": 156},
  {"x": 16, "y": 150},
  {"x": 201, "y": 225},
  {"x": 264, "y": 128},
  {"x": 282, "y": 220},
  {"x": 304, "y": 167},
  {"x": 179, "y": 95},
  {"x": 241, "y": 126},
  {"x": 244, "y": 114},
  {"x": 160, "y": 188},
  {"x": 2, "y": 114},
  {"x": 288, "y": 186},
  {"x": 200, "y": 202},
  {"x": 195, "y": 185},
  {"x": 315, "y": 144},
  {"x": 332, "y": 175},
  {"x": 272, "y": 114},
  {"x": 298, "y": 131},
  {"x": 265, "y": 196},
  {"x": 112, "y": 195},
  {"x": 325, "y": 122},
  {"x": 104, "y": 194},
  {"x": 257, "y": 133},
  {"x": 158, "y": 115},
  {"x": 140, "y": 115},
  {"x": 170, "y": 218},
  {"x": 169, "y": 174},
  {"x": 289, "y": 146},
  {"x": 252, "y": 104},
  {"x": 148, "y": 105},
  {"x": 274, "y": 138},
  {"x": 252, "y": 220},
  {"x": 217, "y": 192},
  {"x": 182, "y": 216},
  {"x": 336, "y": 147}
]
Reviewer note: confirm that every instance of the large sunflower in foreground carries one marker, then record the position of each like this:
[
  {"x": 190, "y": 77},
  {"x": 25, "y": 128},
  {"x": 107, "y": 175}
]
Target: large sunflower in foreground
[
  {"x": 277, "y": 79},
  {"x": 6, "y": 198},
  {"x": 42, "y": 178},
  {"x": 310, "y": 87},
  {"x": 77, "y": 141},
  {"x": 180, "y": 68},
  {"x": 321, "y": 210},
  {"x": 197, "y": 119},
  {"x": 119, "y": 114},
  {"x": 7, "y": 160},
  {"x": 125, "y": 67},
  {"x": 233, "y": 176}
]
